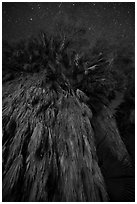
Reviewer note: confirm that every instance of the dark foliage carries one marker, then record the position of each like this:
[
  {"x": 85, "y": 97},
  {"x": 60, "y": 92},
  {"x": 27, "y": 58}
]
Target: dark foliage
[{"x": 60, "y": 137}]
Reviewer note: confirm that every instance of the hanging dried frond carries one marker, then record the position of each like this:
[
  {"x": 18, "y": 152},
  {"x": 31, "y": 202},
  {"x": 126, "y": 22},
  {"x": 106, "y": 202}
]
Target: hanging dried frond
[
  {"x": 114, "y": 159},
  {"x": 52, "y": 151}
]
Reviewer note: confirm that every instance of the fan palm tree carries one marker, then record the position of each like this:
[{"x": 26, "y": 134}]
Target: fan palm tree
[
  {"x": 48, "y": 144},
  {"x": 60, "y": 139}
]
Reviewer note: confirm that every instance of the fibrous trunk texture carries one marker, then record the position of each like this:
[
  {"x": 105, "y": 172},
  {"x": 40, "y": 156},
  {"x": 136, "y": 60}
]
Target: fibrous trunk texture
[
  {"x": 49, "y": 152},
  {"x": 114, "y": 160}
]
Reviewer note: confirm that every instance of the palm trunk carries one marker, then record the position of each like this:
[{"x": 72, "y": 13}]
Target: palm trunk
[
  {"x": 114, "y": 159},
  {"x": 48, "y": 145}
]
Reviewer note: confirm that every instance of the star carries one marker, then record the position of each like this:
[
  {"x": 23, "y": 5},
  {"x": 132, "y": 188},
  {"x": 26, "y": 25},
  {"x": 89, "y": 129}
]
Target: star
[
  {"x": 60, "y": 5},
  {"x": 91, "y": 13}
]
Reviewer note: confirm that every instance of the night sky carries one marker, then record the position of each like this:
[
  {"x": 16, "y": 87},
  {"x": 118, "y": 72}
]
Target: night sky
[{"x": 114, "y": 21}]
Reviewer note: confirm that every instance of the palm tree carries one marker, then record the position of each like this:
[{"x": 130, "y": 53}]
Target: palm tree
[
  {"x": 48, "y": 144},
  {"x": 114, "y": 159},
  {"x": 60, "y": 139}
]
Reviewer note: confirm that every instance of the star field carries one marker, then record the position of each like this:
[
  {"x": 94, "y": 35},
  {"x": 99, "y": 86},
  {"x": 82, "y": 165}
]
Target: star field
[{"x": 114, "y": 21}]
